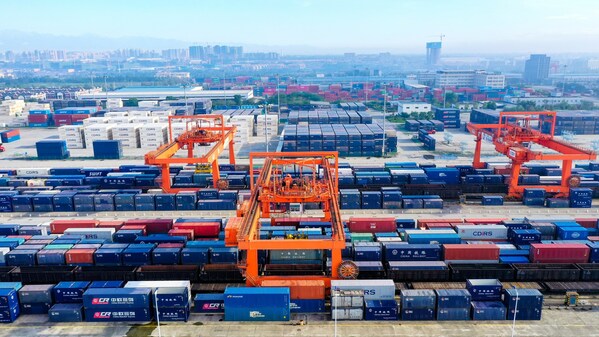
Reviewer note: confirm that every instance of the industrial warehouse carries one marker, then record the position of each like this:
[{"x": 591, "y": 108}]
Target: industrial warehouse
[{"x": 158, "y": 180}]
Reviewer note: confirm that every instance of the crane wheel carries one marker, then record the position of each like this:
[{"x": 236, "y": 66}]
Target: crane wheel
[
  {"x": 348, "y": 270},
  {"x": 574, "y": 181},
  {"x": 222, "y": 184}
]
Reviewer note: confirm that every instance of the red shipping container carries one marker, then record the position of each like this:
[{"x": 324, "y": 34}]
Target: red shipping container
[
  {"x": 134, "y": 227},
  {"x": 37, "y": 118},
  {"x": 593, "y": 238},
  {"x": 170, "y": 245},
  {"x": 153, "y": 226},
  {"x": 559, "y": 253},
  {"x": 188, "y": 233},
  {"x": 587, "y": 222},
  {"x": 111, "y": 224},
  {"x": 423, "y": 222},
  {"x": 371, "y": 225},
  {"x": 60, "y": 120},
  {"x": 26, "y": 237},
  {"x": 291, "y": 221},
  {"x": 80, "y": 256},
  {"x": 491, "y": 221},
  {"x": 439, "y": 225},
  {"x": 79, "y": 117},
  {"x": 59, "y": 226},
  {"x": 299, "y": 289},
  {"x": 460, "y": 252},
  {"x": 12, "y": 133},
  {"x": 200, "y": 229}
]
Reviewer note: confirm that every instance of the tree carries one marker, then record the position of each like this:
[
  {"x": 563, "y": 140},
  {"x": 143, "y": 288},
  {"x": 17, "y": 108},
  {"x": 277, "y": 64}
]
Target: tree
[
  {"x": 587, "y": 105},
  {"x": 131, "y": 102},
  {"x": 237, "y": 99},
  {"x": 450, "y": 98},
  {"x": 490, "y": 105}
]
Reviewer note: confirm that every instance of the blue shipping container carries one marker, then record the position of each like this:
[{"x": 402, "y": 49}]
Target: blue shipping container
[{"x": 257, "y": 304}]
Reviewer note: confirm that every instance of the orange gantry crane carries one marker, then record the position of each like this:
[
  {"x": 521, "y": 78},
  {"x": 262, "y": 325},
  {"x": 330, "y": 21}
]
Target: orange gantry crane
[
  {"x": 200, "y": 130},
  {"x": 272, "y": 188},
  {"x": 513, "y": 137}
]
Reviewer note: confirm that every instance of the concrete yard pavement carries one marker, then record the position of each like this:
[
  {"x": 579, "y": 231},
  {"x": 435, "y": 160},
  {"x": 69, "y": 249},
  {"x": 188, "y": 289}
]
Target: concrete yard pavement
[{"x": 555, "y": 323}]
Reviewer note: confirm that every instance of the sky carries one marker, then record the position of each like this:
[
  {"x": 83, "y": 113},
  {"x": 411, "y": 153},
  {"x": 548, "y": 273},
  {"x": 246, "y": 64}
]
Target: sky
[{"x": 397, "y": 26}]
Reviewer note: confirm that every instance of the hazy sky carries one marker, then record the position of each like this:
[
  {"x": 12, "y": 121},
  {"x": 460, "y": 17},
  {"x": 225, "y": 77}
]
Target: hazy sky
[{"x": 478, "y": 26}]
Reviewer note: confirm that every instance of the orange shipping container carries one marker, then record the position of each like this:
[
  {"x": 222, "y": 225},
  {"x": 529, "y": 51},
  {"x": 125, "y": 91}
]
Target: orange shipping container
[
  {"x": 231, "y": 230},
  {"x": 111, "y": 224},
  {"x": 299, "y": 289},
  {"x": 483, "y": 221},
  {"x": 80, "y": 256},
  {"x": 423, "y": 222},
  {"x": 188, "y": 233}
]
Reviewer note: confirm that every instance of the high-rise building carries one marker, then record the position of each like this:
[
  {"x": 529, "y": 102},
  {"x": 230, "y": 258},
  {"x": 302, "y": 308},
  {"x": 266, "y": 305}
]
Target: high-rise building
[
  {"x": 536, "y": 68},
  {"x": 433, "y": 53},
  {"x": 197, "y": 52}
]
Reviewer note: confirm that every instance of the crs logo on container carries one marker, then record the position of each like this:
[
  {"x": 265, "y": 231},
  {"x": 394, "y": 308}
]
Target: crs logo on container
[
  {"x": 102, "y": 314},
  {"x": 575, "y": 235},
  {"x": 100, "y": 300},
  {"x": 212, "y": 306}
]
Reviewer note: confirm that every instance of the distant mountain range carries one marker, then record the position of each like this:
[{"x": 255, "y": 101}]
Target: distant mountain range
[
  {"x": 19, "y": 41},
  {"x": 26, "y": 41}
]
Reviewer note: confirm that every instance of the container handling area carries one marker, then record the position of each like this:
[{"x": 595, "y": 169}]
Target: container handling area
[{"x": 193, "y": 238}]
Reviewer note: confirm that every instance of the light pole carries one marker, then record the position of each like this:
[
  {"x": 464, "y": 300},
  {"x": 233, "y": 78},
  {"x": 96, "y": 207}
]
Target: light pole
[
  {"x": 515, "y": 312},
  {"x": 157, "y": 312},
  {"x": 278, "y": 97},
  {"x": 384, "y": 116},
  {"x": 564, "y": 82},
  {"x": 335, "y": 313},
  {"x": 265, "y": 128}
]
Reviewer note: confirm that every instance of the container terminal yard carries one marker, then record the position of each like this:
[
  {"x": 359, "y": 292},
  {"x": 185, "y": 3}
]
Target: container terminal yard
[{"x": 184, "y": 222}]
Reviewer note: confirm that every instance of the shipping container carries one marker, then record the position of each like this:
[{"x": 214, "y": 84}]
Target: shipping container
[
  {"x": 121, "y": 298},
  {"x": 380, "y": 310},
  {"x": 257, "y": 304},
  {"x": 209, "y": 303},
  {"x": 63, "y": 312},
  {"x": 373, "y": 289},
  {"x": 484, "y": 289}
]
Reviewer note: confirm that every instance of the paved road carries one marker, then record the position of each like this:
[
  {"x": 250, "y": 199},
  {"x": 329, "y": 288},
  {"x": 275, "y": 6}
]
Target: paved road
[{"x": 555, "y": 323}]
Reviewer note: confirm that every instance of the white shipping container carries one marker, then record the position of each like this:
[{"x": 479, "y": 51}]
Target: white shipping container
[
  {"x": 33, "y": 172},
  {"x": 161, "y": 113},
  {"x": 348, "y": 314},
  {"x": 139, "y": 113},
  {"x": 157, "y": 285},
  {"x": 373, "y": 289},
  {"x": 95, "y": 120},
  {"x": 92, "y": 233},
  {"x": 113, "y": 114},
  {"x": 482, "y": 232},
  {"x": 147, "y": 104},
  {"x": 120, "y": 120}
]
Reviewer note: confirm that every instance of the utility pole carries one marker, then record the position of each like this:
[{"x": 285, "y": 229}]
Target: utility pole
[
  {"x": 225, "y": 88},
  {"x": 278, "y": 97},
  {"x": 265, "y": 128},
  {"x": 384, "y": 116},
  {"x": 515, "y": 312},
  {"x": 564, "y": 82}
]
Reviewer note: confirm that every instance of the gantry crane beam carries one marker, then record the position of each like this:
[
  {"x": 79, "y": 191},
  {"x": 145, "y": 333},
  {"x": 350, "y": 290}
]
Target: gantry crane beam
[
  {"x": 268, "y": 190},
  {"x": 200, "y": 130},
  {"x": 512, "y": 136}
]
